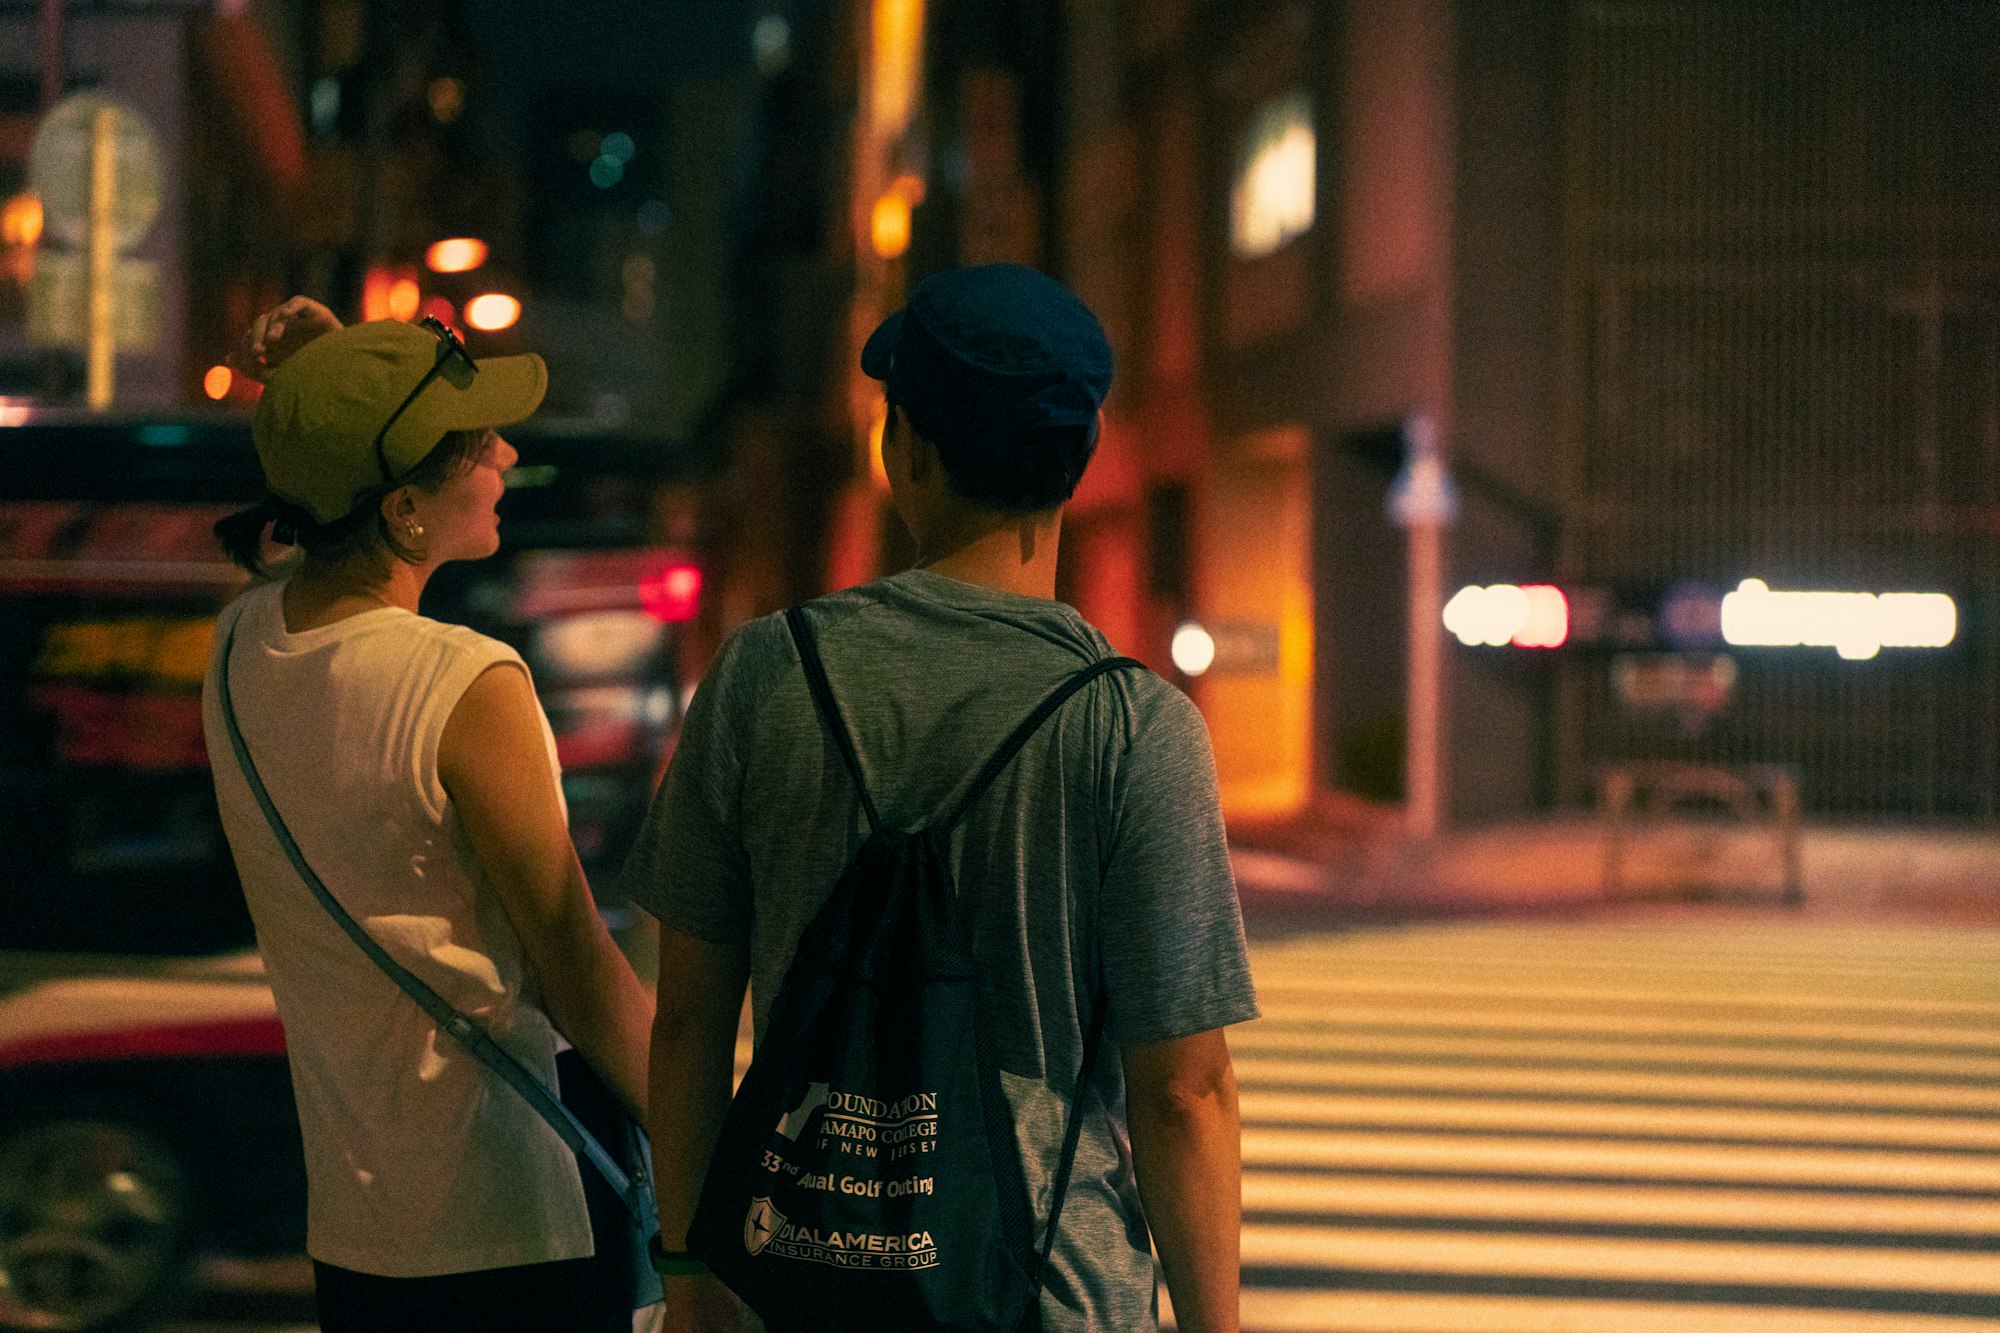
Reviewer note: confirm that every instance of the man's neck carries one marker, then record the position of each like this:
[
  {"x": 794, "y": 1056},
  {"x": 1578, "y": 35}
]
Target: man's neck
[{"x": 1010, "y": 553}]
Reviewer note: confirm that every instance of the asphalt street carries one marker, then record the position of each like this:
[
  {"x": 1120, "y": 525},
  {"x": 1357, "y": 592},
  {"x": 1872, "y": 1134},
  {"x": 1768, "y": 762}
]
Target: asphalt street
[{"x": 1716, "y": 1119}]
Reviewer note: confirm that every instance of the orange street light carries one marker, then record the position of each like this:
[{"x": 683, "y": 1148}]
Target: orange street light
[
  {"x": 890, "y": 226},
  {"x": 460, "y": 254},
  {"x": 404, "y": 297},
  {"x": 492, "y": 312}
]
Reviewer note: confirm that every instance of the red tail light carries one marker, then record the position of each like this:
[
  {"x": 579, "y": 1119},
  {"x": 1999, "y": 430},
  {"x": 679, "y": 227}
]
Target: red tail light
[{"x": 671, "y": 594}]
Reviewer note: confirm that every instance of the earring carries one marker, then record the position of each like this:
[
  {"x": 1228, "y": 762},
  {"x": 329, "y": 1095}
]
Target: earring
[{"x": 413, "y": 529}]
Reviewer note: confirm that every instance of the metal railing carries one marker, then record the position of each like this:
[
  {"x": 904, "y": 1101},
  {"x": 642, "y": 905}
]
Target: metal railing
[{"x": 1747, "y": 794}]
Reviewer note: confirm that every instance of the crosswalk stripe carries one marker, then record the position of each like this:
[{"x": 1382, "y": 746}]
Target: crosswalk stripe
[
  {"x": 1263, "y": 1072},
  {"x": 1799, "y": 1056},
  {"x": 1748, "y": 940},
  {"x": 1313, "y": 1311},
  {"x": 1818, "y": 976},
  {"x": 1315, "y": 1193},
  {"x": 1948, "y": 962},
  {"x": 1547, "y": 1118},
  {"x": 1677, "y": 1162},
  {"x": 1698, "y": 995},
  {"x": 1620, "y": 1259},
  {"x": 1767, "y": 1126},
  {"x": 1312, "y": 1018}
]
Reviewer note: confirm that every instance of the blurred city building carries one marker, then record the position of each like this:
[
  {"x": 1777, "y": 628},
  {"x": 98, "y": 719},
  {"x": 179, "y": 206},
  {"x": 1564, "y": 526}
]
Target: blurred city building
[
  {"x": 227, "y": 203},
  {"x": 1695, "y": 302},
  {"x": 1688, "y": 295}
]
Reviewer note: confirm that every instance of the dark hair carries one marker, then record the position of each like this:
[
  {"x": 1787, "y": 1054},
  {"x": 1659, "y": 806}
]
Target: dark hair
[
  {"x": 1020, "y": 472},
  {"x": 360, "y": 529}
]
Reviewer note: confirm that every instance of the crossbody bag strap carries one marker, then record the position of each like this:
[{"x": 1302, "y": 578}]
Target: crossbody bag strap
[
  {"x": 828, "y": 708},
  {"x": 1015, "y": 1219},
  {"x": 1072, "y": 1135},
  {"x": 1031, "y": 724},
  {"x": 633, "y": 1188}
]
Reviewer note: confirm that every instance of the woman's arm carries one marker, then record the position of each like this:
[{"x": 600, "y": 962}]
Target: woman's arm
[
  {"x": 694, "y": 1051},
  {"x": 493, "y": 760}
]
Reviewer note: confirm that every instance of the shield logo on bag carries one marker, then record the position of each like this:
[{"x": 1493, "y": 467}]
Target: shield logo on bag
[{"x": 761, "y": 1225}]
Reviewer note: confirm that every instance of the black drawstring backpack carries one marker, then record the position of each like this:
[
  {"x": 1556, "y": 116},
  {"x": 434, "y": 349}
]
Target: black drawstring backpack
[{"x": 868, "y": 1175}]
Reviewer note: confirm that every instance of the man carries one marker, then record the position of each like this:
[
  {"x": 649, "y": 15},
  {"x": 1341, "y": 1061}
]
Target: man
[{"x": 1097, "y": 858}]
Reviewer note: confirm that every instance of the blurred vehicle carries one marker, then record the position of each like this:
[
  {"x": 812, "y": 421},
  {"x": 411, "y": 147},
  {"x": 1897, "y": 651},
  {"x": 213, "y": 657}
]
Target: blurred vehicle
[{"x": 146, "y": 1112}]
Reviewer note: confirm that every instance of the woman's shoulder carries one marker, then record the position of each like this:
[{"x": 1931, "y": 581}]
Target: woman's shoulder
[{"x": 457, "y": 640}]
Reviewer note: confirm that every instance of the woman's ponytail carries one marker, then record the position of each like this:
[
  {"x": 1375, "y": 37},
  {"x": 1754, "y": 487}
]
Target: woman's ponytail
[{"x": 241, "y": 534}]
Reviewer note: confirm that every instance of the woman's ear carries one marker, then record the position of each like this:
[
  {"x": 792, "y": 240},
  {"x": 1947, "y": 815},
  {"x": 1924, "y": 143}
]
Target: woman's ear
[{"x": 399, "y": 506}]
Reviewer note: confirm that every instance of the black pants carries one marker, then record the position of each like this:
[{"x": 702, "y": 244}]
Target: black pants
[{"x": 569, "y": 1296}]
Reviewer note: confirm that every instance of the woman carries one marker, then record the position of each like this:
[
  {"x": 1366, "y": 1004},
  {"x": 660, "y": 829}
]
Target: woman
[{"x": 415, "y": 770}]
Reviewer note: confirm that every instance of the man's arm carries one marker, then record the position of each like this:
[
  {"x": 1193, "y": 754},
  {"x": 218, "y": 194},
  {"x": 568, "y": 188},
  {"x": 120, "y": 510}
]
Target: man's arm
[
  {"x": 694, "y": 1065},
  {"x": 494, "y": 762},
  {"x": 1186, "y": 1148}
]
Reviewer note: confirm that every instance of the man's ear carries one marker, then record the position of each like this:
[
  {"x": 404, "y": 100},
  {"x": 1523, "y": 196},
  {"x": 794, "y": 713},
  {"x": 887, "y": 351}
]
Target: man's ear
[{"x": 923, "y": 454}]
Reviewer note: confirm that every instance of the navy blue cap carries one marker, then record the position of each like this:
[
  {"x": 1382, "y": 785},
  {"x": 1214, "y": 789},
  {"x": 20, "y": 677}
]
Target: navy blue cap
[{"x": 981, "y": 356}]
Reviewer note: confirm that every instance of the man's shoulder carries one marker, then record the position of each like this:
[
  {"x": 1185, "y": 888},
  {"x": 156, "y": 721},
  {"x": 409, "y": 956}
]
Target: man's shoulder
[
  {"x": 751, "y": 659},
  {"x": 1162, "y": 720}
]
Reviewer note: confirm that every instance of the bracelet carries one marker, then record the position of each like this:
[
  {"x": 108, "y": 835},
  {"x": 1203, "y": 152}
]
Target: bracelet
[{"x": 673, "y": 1263}]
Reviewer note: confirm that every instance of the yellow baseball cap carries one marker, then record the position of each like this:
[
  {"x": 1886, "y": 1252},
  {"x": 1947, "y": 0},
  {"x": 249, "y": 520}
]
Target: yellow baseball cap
[{"x": 320, "y": 425}]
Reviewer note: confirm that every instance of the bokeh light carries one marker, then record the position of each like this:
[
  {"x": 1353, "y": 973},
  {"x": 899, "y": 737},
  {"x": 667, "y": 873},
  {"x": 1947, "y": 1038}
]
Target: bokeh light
[
  {"x": 1193, "y": 649},
  {"x": 1536, "y": 616},
  {"x": 492, "y": 312},
  {"x": 458, "y": 254},
  {"x": 404, "y": 298},
  {"x": 1857, "y": 625},
  {"x": 447, "y": 99},
  {"x": 21, "y": 219},
  {"x": 889, "y": 228}
]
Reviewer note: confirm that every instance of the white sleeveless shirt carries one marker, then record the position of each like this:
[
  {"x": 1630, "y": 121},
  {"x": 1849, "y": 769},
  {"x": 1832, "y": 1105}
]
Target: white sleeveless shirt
[{"x": 418, "y": 1161}]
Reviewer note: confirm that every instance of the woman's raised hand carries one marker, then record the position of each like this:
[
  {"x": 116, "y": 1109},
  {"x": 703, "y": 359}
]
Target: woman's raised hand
[{"x": 277, "y": 333}]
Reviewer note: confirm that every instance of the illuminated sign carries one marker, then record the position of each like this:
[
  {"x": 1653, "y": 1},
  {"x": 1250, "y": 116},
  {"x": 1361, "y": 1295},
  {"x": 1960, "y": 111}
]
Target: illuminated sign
[
  {"x": 148, "y": 650},
  {"x": 1857, "y": 625},
  {"x": 649, "y": 579},
  {"x": 1227, "y": 648},
  {"x": 1274, "y": 200},
  {"x": 597, "y": 643},
  {"x": 124, "y": 693},
  {"x": 1535, "y": 616},
  {"x": 898, "y": 39},
  {"x": 1696, "y": 683}
]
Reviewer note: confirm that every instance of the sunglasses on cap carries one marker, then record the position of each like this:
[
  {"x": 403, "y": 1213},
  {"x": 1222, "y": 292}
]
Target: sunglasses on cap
[{"x": 453, "y": 362}]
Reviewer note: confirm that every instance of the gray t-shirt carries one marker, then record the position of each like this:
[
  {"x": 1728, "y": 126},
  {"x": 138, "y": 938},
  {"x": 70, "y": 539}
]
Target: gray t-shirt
[{"x": 1099, "y": 853}]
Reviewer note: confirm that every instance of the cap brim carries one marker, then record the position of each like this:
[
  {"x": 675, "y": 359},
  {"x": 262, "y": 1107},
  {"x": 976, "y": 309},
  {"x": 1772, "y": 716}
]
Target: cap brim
[
  {"x": 506, "y": 389},
  {"x": 878, "y": 354}
]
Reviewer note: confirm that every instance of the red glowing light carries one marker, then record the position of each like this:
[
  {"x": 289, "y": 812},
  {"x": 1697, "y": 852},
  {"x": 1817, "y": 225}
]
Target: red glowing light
[{"x": 671, "y": 594}]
